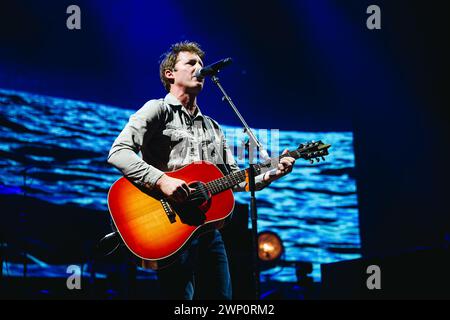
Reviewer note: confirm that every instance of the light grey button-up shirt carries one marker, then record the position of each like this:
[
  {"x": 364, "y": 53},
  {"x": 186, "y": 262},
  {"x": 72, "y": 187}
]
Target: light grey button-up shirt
[{"x": 168, "y": 138}]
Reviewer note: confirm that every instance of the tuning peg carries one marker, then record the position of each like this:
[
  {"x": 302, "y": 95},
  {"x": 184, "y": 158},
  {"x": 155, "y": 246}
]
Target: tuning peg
[
  {"x": 323, "y": 158},
  {"x": 318, "y": 160},
  {"x": 311, "y": 161}
]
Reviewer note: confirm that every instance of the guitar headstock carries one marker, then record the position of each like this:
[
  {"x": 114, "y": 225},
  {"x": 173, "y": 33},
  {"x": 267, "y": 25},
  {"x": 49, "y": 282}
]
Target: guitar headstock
[{"x": 313, "y": 150}]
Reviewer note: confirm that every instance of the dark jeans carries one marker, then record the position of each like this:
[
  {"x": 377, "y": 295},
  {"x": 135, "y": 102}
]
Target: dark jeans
[{"x": 201, "y": 272}]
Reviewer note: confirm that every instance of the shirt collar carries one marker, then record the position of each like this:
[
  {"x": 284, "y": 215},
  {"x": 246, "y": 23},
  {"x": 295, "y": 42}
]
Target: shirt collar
[{"x": 171, "y": 100}]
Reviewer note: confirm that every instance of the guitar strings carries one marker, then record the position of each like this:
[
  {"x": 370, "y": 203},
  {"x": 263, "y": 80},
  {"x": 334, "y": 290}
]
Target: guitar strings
[
  {"x": 212, "y": 186},
  {"x": 234, "y": 178}
]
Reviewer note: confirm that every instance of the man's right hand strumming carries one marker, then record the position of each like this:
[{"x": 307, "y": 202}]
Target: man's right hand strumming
[{"x": 174, "y": 189}]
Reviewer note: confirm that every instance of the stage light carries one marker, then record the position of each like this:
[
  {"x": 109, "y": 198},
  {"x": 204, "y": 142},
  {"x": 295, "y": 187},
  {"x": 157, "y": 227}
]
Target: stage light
[{"x": 270, "y": 246}]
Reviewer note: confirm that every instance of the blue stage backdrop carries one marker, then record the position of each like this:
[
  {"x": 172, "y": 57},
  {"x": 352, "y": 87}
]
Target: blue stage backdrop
[{"x": 61, "y": 147}]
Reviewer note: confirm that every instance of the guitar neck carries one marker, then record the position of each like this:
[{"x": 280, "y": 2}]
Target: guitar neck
[{"x": 235, "y": 178}]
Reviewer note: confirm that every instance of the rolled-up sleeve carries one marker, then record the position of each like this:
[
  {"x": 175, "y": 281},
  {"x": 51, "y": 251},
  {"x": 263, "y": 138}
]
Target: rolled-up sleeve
[{"x": 123, "y": 153}]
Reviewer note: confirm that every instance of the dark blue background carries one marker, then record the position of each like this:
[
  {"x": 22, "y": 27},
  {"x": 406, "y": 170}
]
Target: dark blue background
[{"x": 302, "y": 64}]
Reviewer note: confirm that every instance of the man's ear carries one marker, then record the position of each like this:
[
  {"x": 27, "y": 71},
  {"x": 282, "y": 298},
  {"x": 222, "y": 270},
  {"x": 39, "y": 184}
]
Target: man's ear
[{"x": 168, "y": 74}]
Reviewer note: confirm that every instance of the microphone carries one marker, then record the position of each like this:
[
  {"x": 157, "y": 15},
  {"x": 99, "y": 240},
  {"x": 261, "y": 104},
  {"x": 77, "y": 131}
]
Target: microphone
[{"x": 213, "y": 69}]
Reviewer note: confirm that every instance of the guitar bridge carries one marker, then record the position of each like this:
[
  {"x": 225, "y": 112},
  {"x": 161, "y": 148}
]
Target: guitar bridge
[{"x": 168, "y": 210}]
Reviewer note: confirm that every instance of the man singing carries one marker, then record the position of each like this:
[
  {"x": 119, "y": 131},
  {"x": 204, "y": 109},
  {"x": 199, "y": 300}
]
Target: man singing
[{"x": 170, "y": 133}]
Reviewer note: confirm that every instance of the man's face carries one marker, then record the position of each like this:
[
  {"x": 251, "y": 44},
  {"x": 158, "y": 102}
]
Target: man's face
[{"x": 183, "y": 73}]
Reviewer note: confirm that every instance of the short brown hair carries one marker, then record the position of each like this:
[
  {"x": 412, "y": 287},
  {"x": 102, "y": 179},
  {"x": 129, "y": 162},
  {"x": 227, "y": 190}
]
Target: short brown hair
[{"x": 169, "y": 59}]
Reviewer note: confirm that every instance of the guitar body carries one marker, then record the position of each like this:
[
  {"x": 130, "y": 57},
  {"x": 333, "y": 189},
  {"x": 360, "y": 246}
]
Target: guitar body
[
  {"x": 151, "y": 228},
  {"x": 157, "y": 231}
]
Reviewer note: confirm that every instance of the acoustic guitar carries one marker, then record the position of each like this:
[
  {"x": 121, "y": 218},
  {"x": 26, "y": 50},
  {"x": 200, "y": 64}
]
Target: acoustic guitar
[{"x": 157, "y": 230}]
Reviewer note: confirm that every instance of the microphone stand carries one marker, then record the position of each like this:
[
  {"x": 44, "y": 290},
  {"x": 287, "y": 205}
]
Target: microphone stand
[{"x": 253, "y": 141}]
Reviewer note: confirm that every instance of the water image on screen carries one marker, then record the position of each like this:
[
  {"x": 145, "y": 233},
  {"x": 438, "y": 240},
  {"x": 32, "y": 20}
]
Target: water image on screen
[{"x": 54, "y": 152}]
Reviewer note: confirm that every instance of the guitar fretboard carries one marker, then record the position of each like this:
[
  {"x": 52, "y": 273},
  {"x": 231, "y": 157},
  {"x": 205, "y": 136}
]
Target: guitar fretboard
[{"x": 233, "y": 179}]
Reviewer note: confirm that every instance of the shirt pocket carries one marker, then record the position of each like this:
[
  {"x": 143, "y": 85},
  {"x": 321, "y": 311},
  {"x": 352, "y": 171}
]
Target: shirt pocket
[{"x": 177, "y": 136}]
